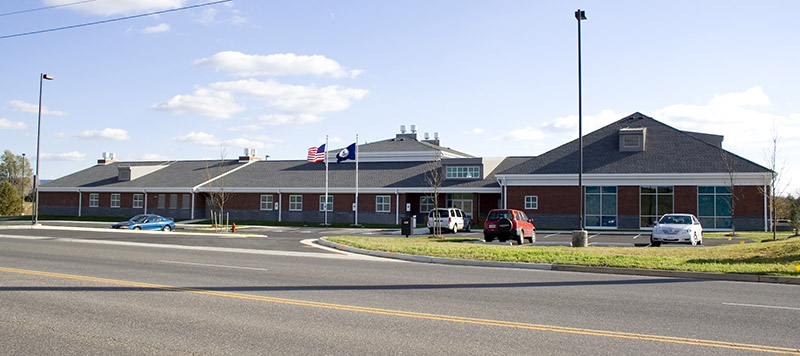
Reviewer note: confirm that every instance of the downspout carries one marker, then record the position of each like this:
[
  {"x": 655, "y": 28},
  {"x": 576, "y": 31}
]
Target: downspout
[
  {"x": 80, "y": 202},
  {"x": 396, "y": 207},
  {"x": 191, "y": 215},
  {"x": 280, "y": 204},
  {"x": 145, "y": 200}
]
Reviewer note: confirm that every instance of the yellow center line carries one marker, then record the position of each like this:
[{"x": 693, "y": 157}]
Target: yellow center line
[{"x": 409, "y": 314}]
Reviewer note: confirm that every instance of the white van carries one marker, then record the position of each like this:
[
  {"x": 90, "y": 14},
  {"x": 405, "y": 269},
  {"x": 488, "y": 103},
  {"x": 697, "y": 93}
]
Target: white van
[{"x": 451, "y": 219}]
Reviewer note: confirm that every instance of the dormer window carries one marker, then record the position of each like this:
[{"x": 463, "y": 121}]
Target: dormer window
[
  {"x": 462, "y": 172},
  {"x": 632, "y": 139}
]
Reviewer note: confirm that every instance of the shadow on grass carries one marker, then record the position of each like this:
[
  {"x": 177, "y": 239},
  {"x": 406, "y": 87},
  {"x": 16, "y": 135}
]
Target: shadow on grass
[{"x": 790, "y": 259}]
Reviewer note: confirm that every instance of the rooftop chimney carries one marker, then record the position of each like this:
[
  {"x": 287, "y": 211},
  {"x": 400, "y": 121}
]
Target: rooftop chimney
[
  {"x": 249, "y": 156},
  {"x": 107, "y": 158}
]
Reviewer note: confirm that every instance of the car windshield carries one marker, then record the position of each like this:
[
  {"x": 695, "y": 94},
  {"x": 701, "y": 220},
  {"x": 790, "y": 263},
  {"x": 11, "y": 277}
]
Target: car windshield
[
  {"x": 139, "y": 218},
  {"x": 497, "y": 215},
  {"x": 443, "y": 213},
  {"x": 676, "y": 219}
]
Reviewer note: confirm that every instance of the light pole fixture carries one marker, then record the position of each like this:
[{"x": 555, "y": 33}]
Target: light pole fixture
[
  {"x": 42, "y": 77},
  {"x": 580, "y": 15}
]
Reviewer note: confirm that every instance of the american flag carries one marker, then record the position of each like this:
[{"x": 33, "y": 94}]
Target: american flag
[{"x": 316, "y": 154}]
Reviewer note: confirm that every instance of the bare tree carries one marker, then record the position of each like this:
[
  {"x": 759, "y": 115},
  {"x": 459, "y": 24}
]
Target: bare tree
[
  {"x": 728, "y": 160},
  {"x": 215, "y": 176},
  {"x": 776, "y": 186},
  {"x": 434, "y": 179}
]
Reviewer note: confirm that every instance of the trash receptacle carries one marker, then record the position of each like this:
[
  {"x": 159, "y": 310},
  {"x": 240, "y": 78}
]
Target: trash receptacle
[{"x": 405, "y": 226}]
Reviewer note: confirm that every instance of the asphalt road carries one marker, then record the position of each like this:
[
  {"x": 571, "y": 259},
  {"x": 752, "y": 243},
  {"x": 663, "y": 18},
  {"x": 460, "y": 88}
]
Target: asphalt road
[{"x": 101, "y": 292}]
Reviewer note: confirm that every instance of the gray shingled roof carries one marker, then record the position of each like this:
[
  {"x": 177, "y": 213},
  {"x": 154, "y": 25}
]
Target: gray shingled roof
[
  {"x": 302, "y": 174},
  {"x": 176, "y": 174},
  {"x": 667, "y": 150},
  {"x": 403, "y": 144}
]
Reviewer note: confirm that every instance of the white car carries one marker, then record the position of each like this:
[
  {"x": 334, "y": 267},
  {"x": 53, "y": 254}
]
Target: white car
[
  {"x": 452, "y": 219},
  {"x": 682, "y": 228}
]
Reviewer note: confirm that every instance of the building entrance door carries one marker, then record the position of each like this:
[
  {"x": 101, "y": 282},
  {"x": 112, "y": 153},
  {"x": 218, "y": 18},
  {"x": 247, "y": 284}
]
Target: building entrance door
[{"x": 461, "y": 201}]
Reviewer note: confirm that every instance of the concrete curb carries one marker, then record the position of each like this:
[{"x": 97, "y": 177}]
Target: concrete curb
[
  {"x": 569, "y": 268},
  {"x": 120, "y": 231}
]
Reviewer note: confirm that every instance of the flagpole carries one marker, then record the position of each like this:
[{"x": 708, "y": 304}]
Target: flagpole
[
  {"x": 356, "y": 179},
  {"x": 326, "y": 180}
]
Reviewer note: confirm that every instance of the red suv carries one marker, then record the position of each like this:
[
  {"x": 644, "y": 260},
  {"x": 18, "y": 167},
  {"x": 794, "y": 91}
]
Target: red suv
[{"x": 505, "y": 224}]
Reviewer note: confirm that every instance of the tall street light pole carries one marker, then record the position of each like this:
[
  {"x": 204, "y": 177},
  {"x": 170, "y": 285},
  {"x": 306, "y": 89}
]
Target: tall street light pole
[
  {"x": 580, "y": 15},
  {"x": 42, "y": 77}
]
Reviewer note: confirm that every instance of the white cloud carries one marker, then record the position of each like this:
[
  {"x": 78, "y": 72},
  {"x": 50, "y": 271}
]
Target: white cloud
[
  {"x": 293, "y": 103},
  {"x": 568, "y": 125},
  {"x": 297, "y": 99},
  {"x": 205, "y": 102},
  {"x": 116, "y": 7},
  {"x": 527, "y": 133},
  {"x": 151, "y": 157},
  {"x": 105, "y": 134},
  {"x": 731, "y": 115},
  {"x": 67, "y": 156},
  {"x": 278, "y": 64},
  {"x": 274, "y": 120},
  {"x": 156, "y": 29},
  {"x": 210, "y": 141},
  {"x": 21, "y": 106},
  {"x": 475, "y": 131},
  {"x": 6, "y": 124}
]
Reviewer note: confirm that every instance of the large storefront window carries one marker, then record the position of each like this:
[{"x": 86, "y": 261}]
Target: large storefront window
[
  {"x": 654, "y": 202},
  {"x": 601, "y": 206},
  {"x": 714, "y": 207}
]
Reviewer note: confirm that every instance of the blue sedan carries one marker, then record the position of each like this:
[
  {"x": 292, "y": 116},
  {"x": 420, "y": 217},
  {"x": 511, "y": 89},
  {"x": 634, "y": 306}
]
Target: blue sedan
[{"x": 146, "y": 222}]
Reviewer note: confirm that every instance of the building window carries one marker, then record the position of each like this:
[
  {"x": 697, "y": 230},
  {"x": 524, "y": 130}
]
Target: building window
[
  {"x": 383, "y": 203},
  {"x": 138, "y": 200},
  {"x": 267, "y": 202},
  {"x": 531, "y": 202},
  {"x": 323, "y": 206},
  {"x": 115, "y": 200},
  {"x": 714, "y": 207},
  {"x": 601, "y": 206},
  {"x": 426, "y": 204},
  {"x": 463, "y": 172},
  {"x": 186, "y": 201},
  {"x": 654, "y": 202},
  {"x": 162, "y": 198},
  {"x": 295, "y": 203},
  {"x": 94, "y": 200}
]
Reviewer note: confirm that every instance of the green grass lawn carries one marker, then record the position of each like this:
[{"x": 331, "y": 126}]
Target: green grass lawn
[{"x": 780, "y": 258}]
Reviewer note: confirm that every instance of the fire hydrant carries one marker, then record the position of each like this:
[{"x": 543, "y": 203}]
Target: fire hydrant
[{"x": 233, "y": 228}]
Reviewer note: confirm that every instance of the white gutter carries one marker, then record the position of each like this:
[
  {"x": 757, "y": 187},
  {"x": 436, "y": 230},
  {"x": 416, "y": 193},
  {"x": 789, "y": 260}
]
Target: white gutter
[
  {"x": 280, "y": 204},
  {"x": 80, "y": 202}
]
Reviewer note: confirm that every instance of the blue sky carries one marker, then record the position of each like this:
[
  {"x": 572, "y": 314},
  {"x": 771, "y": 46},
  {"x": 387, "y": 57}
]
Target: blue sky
[{"x": 494, "y": 78}]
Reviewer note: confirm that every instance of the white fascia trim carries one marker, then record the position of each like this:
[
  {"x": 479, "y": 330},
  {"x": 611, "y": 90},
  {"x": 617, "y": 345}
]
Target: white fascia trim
[
  {"x": 699, "y": 179},
  {"x": 119, "y": 190},
  {"x": 367, "y": 190}
]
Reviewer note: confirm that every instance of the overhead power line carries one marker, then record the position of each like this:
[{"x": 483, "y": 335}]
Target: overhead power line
[
  {"x": 45, "y": 8},
  {"x": 113, "y": 20}
]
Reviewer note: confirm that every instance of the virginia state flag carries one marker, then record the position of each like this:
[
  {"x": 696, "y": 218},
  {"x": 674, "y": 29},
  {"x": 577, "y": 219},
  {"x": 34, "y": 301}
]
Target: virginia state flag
[{"x": 347, "y": 153}]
